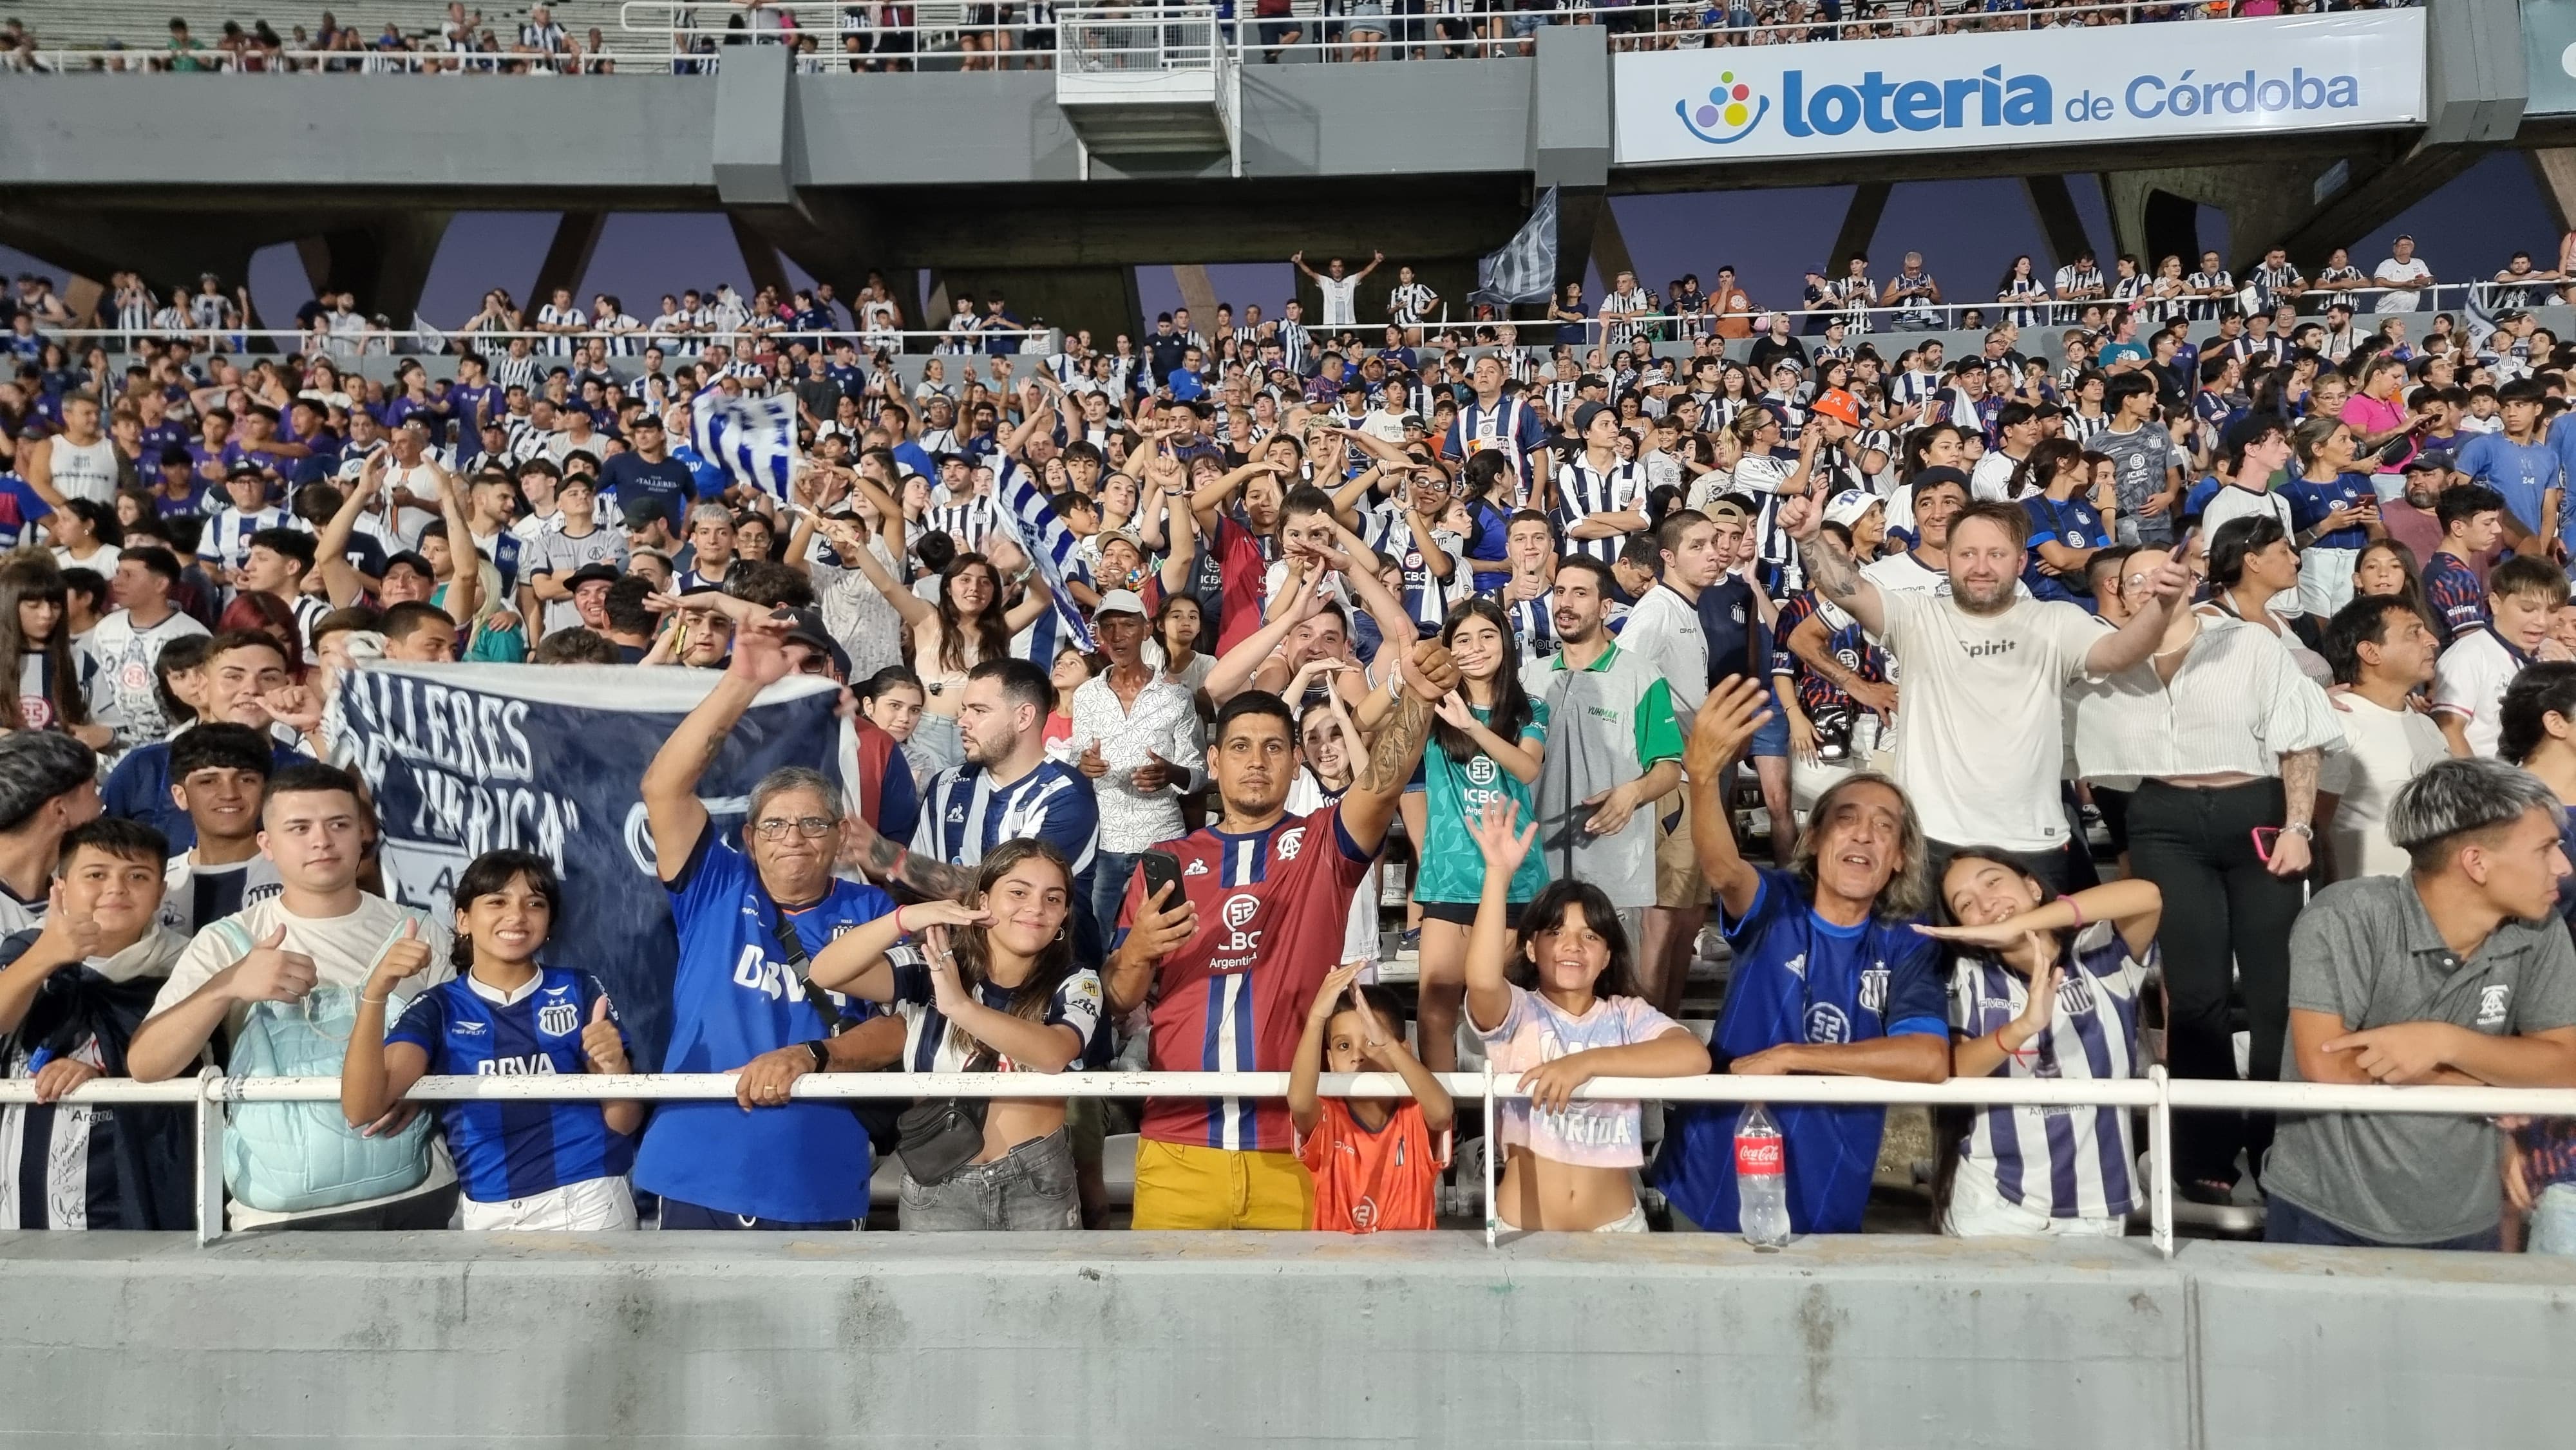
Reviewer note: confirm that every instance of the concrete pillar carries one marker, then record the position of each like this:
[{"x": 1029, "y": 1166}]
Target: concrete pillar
[
  {"x": 2059, "y": 222},
  {"x": 2555, "y": 170},
  {"x": 1198, "y": 294},
  {"x": 567, "y": 256},
  {"x": 1860, "y": 223},
  {"x": 759, "y": 257},
  {"x": 1610, "y": 255},
  {"x": 755, "y": 144},
  {"x": 384, "y": 263},
  {"x": 1570, "y": 139}
]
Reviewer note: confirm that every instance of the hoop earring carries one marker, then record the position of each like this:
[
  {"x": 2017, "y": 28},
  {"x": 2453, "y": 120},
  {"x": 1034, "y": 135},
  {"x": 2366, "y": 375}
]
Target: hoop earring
[{"x": 1060, "y": 933}]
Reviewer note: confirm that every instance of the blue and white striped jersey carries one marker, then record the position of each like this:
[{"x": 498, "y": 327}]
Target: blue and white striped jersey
[
  {"x": 965, "y": 814},
  {"x": 2062, "y": 1161},
  {"x": 1583, "y": 490}
]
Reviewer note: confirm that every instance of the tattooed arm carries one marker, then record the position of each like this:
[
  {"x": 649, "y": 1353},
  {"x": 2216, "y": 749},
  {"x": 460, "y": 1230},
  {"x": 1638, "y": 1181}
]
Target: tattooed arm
[
  {"x": 889, "y": 861},
  {"x": 1396, "y": 749},
  {"x": 1830, "y": 566}
]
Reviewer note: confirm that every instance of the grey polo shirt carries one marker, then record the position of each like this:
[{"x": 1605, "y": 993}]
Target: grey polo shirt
[{"x": 2366, "y": 952}]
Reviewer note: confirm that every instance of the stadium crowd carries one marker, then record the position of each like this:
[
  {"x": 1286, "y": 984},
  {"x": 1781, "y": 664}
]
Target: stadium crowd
[
  {"x": 899, "y": 37},
  {"x": 1150, "y": 652}
]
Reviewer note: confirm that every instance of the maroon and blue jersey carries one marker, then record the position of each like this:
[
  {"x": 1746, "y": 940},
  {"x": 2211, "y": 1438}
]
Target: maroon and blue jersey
[
  {"x": 2456, "y": 597},
  {"x": 508, "y": 1148},
  {"x": 1274, "y": 908}
]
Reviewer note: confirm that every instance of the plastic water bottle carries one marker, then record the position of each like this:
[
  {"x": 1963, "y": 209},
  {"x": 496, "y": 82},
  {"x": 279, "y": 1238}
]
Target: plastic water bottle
[{"x": 1761, "y": 1182}]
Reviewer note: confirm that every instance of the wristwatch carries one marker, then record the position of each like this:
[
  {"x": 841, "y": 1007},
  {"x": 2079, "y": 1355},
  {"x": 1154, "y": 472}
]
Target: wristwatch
[
  {"x": 2302, "y": 830},
  {"x": 821, "y": 1053}
]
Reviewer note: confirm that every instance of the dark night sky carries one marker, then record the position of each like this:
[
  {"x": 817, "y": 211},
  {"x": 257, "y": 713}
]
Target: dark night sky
[{"x": 1968, "y": 231}]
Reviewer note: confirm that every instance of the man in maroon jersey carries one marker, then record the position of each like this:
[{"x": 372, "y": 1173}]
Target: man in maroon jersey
[{"x": 1235, "y": 963}]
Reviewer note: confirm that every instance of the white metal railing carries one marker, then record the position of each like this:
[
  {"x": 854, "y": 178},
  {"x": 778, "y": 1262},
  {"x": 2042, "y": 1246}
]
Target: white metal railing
[
  {"x": 676, "y": 36},
  {"x": 2157, "y": 1094},
  {"x": 2461, "y": 298},
  {"x": 1148, "y": 38},
  {"x": 491, "y": 343}
]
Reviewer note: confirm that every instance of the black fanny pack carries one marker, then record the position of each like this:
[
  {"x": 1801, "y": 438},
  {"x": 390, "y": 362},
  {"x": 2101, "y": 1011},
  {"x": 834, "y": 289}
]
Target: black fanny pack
[{"x": 939, "y": 1137}]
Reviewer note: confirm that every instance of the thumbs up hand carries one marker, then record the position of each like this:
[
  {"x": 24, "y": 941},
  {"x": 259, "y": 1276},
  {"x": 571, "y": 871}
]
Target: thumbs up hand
[
  {"x": 602, "y": 1044},
  {"x": 270, "y": 973}
]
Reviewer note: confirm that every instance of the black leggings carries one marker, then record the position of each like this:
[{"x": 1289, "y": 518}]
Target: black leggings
[{"x": 2222, "y": 909}]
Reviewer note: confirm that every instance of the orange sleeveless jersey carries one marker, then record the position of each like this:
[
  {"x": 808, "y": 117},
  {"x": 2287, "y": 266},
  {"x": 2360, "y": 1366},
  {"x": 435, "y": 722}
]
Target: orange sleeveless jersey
[{"x": 1368, "y": 1181}]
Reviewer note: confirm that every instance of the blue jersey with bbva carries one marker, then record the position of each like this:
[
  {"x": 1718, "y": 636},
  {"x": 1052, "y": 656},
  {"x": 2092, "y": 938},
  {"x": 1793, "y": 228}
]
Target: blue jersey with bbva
[
  {"x": 732, "y": 999},
  {"x": 507, "y": 1148},
  {"x": 1801, "y": 978},
  {"x": 964, "y": 815}
]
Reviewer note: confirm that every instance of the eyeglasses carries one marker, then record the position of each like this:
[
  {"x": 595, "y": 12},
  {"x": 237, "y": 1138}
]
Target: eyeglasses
[{"x": 812, "y": 828}]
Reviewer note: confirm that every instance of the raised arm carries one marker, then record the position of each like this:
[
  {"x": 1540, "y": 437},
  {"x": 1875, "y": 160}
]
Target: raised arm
[
  {"x": 1370, "y": 803},
  {"x": 465, "y": 574},
  {"x": 340, "y": 581},
  {"x": 1180, "y": 554},
  {"x": 1294, "y": 604},
  {"x": 1305, "y": 1103},
  {"x": 853, "y": 548},
  {"x": 2133, "y": 906},
  {"x": 1727, "y": 720},
  {"x": 670, "y": 787},
  {"x": 855, "y": 963},
  {"x": 2167, "y": 589},
  {"x": 1504, "y": 843},
  {"x": 1361, "y": 572},
  {"x": 1830, "y": 566}
]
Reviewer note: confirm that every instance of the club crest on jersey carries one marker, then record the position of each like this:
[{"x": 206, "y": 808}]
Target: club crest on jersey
[
  {"x": 2491, "y": 1004},
  {"x": 1873, "y": 987},
  {"x": 1289, "y": 842},
  {"x": 559, "y": 1019}
]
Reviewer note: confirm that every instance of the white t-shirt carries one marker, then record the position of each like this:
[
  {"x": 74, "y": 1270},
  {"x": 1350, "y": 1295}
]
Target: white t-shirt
[
  {"x": 2383, "y": 749},
  {"x": 1991, "y": 479},
  {"x": 2235, "y": 502},
  {"x": 343, "y": 948},
  {"x": 2393, "y": 270},
  {"x": 2470, "y": 683},
  {"x": 1338, "y": 298},
  {"x": 1664, "y": 630},
  {"x": 1970, "y": 681}
]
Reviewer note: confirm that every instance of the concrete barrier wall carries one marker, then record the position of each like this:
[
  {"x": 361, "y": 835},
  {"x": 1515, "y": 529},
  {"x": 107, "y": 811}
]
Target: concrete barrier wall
[{"x": 1142, "y": 1340}]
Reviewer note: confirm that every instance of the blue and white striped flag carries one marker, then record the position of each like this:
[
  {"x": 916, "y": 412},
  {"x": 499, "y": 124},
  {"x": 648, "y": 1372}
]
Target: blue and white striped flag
[
  {"x": 752, "y": 439},
  {"x": 1031, "y": 521}
]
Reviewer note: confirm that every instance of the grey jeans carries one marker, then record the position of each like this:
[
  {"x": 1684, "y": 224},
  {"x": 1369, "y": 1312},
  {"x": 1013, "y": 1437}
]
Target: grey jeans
[{"x": 1029, "y": 1188}]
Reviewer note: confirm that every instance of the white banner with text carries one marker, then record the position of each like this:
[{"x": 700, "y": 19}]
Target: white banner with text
[{"x": 2064, "y": 87}]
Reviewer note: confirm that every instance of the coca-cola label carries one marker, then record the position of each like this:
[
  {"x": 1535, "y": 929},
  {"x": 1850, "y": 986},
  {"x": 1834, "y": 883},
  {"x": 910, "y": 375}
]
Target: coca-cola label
[{"x": 1760, "y": 1157}]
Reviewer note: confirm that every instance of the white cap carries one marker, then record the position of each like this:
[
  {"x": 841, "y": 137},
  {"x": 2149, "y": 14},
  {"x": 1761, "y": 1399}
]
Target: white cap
[
  {"x": 1846, "y": 507},
  {"x": 1120, "y": 601}
]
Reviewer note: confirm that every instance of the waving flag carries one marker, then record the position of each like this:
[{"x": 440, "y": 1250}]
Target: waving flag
[
  {"x": 1525, "y": 269},
  {"x": 752, "y": 439},
  {"x": 1031, "y": 522}
]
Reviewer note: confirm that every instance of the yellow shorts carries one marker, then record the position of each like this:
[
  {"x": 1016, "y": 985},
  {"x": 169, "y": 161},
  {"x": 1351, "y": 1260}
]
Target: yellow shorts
[
  {"x": 1179, "y": 1186},
  {"x": 1677, "y": 879}
]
